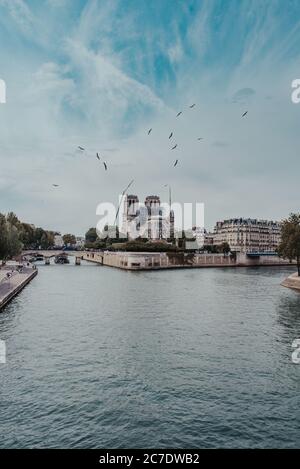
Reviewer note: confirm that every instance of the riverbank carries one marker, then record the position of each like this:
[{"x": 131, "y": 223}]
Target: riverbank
[
  {"x": 177, "y": 260},
  {"x": 10, "y": 287},
  {"x": 293, "y": 281}
]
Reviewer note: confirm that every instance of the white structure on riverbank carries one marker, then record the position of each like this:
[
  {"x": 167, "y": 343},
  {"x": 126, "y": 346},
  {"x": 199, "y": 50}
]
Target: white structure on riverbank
[{"x": 58, "y": 241}]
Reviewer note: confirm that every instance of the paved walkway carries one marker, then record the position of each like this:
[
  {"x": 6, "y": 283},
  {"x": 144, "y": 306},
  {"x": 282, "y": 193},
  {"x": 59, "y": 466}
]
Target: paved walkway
[
  {"x": 14, "y": 283},
  {"x": 293, "y": 281},
  {"x": 2, "y": 275}
]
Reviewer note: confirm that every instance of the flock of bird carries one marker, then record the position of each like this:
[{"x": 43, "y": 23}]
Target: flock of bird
[
  {"x": 97, "y": 156},
  {"x": 171, "y": 134},
  {"x": 82, "y": 149}
]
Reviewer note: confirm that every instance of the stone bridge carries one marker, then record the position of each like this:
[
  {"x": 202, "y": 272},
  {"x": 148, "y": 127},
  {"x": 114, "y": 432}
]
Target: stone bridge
[{"x": 48, "y": 254}]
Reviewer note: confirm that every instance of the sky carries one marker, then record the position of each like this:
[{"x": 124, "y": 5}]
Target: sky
[{"x": 100, "y": 73}]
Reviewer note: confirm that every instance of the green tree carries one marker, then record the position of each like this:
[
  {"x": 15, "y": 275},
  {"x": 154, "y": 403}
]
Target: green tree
[
  {"x": 10, "y": 244},
  {"x": 43, "y": 239},
  {"x": 50, "y": 235},
  {"x": 14, "y": 244},
  {"x": 224, "y": 248},
  {"x": 210, "y": 248},
  {"x": 138, "y": 245},
  {"x": 69, "y": 239},
  {"x": 27, "y": 234},
  {"x": 38, "y": 233},
  {"x": 3, "y": 237},
  {"x": 91, "y": 235},
  {"x": 15, "y": 235},
  {"x": 13, "y": 220},
  {"x": 110, "y": 234},
  {"x": 289, "y": 247},
  {"x": 44, "y": 242},
  {"x": 181, "y": 239}
]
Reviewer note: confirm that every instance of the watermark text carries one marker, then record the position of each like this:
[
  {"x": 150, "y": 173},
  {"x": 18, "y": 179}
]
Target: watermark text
[
  {"x": 295, "y": 96},
  {"x": 2, "y": 91},
  {"x": 2, "y": 351},
  {"x": 296, "y": 352}
]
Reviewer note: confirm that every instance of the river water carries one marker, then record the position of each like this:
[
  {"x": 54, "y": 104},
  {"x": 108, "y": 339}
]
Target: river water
[{"x": 99, "y": 357}]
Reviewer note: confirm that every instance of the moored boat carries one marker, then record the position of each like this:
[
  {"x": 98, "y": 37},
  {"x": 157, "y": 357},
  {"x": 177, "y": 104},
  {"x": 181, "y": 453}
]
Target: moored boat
[{"x": 61, "y": 259}]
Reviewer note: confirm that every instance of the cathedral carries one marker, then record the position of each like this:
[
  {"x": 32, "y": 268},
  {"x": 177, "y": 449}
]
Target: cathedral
[{"x": 150, "y": 219}]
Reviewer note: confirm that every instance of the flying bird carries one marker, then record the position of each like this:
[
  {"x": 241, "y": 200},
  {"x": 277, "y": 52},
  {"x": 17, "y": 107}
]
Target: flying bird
[
  {"x": 149, "y": 131},
  {"x": 97, "y": 155},
  {"x": 180, "y": 112},
  {"x": 175, "y": 146},
  {"x": 171, "y": 135},
  {"x": 200, "y": 138},
  {"x": 193, "y": 105},
  {"x": 245, "y": 113},
  {"x": 81, "y": 148},
  {"x": 175, "y": 164},
  {"x": 55, "y": 185},
  {"x": 105, "y": 165}
]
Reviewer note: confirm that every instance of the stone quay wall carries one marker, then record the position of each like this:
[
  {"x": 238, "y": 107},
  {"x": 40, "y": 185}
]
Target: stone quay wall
[
  {"x": 169, "y": 260},
  {"x": 9, "y": 288}
]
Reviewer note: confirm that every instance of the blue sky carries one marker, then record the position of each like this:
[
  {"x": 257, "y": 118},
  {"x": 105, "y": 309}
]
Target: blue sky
[{"x": 100, "y": 73}]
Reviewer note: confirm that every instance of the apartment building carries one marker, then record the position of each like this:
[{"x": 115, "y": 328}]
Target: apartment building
[{"x": 248, "y": 235}]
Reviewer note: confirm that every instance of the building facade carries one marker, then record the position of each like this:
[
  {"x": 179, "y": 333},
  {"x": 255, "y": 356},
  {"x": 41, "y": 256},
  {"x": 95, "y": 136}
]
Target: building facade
[
  {"x": 248, "y": 235},
  {"x": 202, "y": 237},
  {"x": 80, "y": 242},
  {"x": 150, "y": 220}
]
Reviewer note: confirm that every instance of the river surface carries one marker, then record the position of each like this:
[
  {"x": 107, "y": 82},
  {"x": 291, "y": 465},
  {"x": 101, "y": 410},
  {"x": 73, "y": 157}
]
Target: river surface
[{"x": 99, "y": 357}]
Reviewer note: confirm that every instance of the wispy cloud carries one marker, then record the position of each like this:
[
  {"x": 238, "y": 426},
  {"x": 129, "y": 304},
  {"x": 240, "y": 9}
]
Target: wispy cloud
[
  {"x": 20, "y": 13},
  {"x": 101, "y": 74}
]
